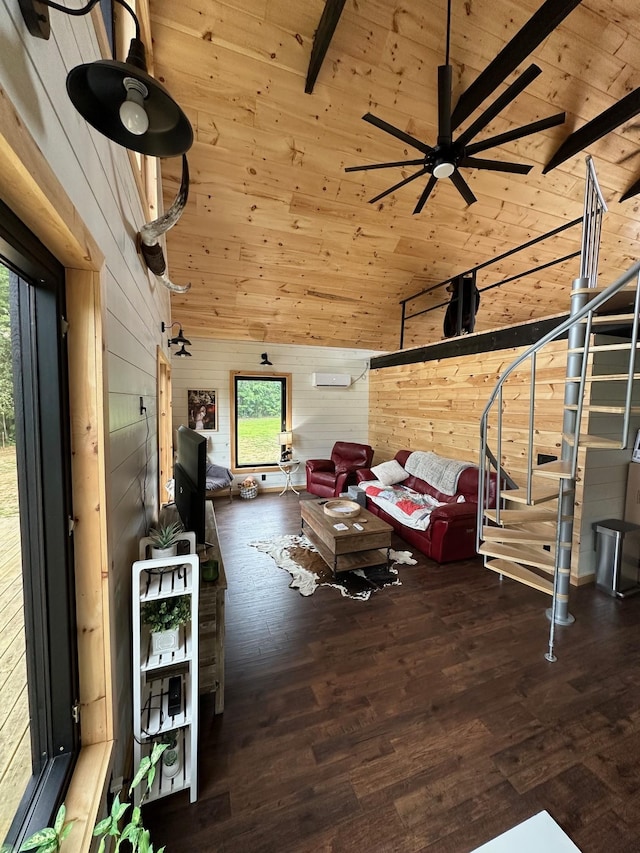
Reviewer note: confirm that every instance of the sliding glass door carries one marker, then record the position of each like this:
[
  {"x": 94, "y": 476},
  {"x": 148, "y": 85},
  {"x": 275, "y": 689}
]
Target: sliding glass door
[{"x": 38, "y": 732}]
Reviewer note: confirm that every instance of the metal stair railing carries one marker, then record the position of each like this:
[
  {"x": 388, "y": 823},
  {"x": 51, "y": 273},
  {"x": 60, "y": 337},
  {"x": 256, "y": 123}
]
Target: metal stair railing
[
  {"x": 579, "y": 336},
  {"x": 488, "y": 460},
  {"x": 553, "y": 334}
]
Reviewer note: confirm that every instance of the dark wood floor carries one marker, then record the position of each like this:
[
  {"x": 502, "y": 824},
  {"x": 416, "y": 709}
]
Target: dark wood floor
[{"x": 425, "y": 719}]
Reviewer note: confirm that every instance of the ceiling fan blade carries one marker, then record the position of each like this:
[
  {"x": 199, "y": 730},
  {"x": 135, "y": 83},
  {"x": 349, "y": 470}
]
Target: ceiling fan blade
[
  {"x": 495, "y": 165},
  {"x": 516, "y": 133},
  {"x": 398, "y": 185},
  {"x": 399, "y": 134},
  {"x": 426, "y": 192},
  {"x": 463, "y": 187},
  {"x": 384, "y": 165},
  {"x": 510, "y": 94},
  {"x": 445, "y": 78},
  {"x": 634, "y": 189},
  {"x": 525, "y": 41},
  {"x": 625, "y": 109}
]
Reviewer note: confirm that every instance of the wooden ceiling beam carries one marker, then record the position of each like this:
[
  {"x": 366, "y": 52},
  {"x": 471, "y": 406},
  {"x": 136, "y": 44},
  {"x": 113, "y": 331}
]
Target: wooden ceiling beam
[{"x": 322, "y": 40}]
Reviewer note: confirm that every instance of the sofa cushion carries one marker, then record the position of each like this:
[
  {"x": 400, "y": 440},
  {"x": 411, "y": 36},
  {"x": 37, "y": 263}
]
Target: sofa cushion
[
  {"x": 348, "y": 456},
  {"x": 325, "y": 478},
  {"x": 389, "y": 473}
]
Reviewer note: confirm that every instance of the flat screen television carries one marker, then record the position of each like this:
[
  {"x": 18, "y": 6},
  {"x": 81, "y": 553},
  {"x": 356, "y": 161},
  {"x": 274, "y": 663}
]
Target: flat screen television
[{"x": 190, "y": 481}]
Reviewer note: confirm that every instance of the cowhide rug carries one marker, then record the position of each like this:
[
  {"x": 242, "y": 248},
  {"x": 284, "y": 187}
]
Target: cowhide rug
[{"x": 296, "y": 555}]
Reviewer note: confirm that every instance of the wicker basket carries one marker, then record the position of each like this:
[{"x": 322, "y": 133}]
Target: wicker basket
[{"x": 248, "y": 492}]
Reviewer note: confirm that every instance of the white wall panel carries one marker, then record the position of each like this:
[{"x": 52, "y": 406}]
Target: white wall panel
[
  {"x": 605, "y": 477},
  {"x": 96, "y": 176},
  {"x": 320, "y": 416}
]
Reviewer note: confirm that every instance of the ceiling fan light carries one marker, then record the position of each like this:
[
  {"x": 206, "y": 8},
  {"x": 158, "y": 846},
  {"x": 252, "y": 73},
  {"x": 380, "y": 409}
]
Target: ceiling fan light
[{"x": 443, "y": 169}]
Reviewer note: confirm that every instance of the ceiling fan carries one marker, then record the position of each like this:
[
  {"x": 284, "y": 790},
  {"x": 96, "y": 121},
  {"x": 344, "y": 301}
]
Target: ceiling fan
[{"x": 448, "y": 155}]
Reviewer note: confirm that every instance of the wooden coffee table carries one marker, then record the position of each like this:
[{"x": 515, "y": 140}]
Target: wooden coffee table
[{"x": 345, "y": 550}]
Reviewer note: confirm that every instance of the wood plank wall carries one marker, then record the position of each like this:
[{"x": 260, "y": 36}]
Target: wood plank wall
[{"x": 437, "y": 405}]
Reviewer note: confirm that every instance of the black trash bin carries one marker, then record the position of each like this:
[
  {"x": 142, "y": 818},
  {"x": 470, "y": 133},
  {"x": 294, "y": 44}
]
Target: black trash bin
[{"x": 617, "y": 545}]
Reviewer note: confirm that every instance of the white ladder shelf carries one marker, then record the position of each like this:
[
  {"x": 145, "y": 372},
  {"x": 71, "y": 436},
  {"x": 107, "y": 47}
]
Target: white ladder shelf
[{"x": 154, "y": 580}]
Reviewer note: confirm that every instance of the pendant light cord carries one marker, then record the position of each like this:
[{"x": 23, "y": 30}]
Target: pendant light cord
[
  {"x": 86, "y": 9},
  {"x": 446, "y": 61}
]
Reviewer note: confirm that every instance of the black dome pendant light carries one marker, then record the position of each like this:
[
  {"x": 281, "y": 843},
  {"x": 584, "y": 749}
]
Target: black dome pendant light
[{"x": 119, "y": 99}]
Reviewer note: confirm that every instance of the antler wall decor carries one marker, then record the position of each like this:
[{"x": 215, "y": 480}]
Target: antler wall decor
[{"x": 150, "y": 234}]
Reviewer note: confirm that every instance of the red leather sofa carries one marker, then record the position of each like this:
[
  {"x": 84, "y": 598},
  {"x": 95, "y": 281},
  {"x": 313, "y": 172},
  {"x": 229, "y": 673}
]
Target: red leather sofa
[
  {"x": 327, "y": 478},
  {"x": 451, "y": 534}
]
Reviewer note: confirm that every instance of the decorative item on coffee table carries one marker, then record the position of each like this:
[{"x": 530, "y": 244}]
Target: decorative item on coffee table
[
  {"x": 348, "y": 543},
  {"x": 342, "y": 508}
]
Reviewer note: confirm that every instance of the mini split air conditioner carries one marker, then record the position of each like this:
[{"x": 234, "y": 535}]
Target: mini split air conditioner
[{"x": 331, "y": 380}]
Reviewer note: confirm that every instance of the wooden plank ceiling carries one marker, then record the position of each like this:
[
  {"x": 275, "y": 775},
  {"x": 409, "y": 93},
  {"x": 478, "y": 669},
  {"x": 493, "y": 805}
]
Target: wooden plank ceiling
[{"x": 281, "y": 245}]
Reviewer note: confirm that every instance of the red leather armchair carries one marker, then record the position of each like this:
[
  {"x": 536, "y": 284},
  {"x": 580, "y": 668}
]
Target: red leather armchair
[{"x": 327, "y": 478}]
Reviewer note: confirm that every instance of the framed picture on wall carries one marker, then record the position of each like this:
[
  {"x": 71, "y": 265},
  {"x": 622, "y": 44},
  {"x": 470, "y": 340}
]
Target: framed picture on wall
[{"x": 203, "y": 410}]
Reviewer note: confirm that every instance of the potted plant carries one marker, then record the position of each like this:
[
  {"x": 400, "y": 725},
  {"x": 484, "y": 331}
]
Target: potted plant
[
  {"x": 164, "y": 618},
  {"x": 171, "y": 763},
  {"x": 132, "y": 833},
  {"x": 164, "y": 539}
]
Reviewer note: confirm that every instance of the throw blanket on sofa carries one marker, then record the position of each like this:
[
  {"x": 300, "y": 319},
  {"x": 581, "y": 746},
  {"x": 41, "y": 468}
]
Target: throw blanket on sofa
[
  {"x": 438, "y": 471},
  {"x": 407, "y": 506},
  {"x": 217, "y": 477}
]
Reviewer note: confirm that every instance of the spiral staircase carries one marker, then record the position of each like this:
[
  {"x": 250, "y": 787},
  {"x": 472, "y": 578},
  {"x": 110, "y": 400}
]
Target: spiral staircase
[{"x": 527, "y": 535}]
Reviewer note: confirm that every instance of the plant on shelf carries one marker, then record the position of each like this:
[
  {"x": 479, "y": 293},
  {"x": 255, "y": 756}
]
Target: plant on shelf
[
  {"x": 164, "y": 617},
  {"x": 165, "y": 614},
  {"x": 165, "y": 537},
  {"x": 133, "y": 834},
  {"x": 171, "y": 764}
]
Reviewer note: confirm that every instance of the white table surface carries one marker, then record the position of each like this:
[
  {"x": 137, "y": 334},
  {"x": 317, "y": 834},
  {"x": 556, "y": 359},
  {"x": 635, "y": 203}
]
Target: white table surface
[{"x": 538, "y": 834}]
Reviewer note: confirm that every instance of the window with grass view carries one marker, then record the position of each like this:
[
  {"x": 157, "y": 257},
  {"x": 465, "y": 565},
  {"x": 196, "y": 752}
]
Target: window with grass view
[{"x": 260, "y": 413}]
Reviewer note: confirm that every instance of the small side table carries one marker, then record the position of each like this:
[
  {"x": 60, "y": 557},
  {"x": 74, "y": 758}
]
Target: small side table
[{"x": 288, "y": 468}]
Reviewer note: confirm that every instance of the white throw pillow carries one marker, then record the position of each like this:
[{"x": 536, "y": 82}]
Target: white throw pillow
[{"x": 389, "y": 473}]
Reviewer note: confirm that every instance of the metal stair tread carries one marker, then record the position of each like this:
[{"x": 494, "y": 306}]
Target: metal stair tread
[
  {"x": 522, "y": 516},
  {"x": 603, "y": 348},
  {"x": 605, "y": 410},
  {"x": 556, "y": 470},
  {"x": 603, "y": 377},
  {"x": 520, "y": 573},
  {"x": 594, "y": 441},
  {"x": 623, "y": 299},
  {"x": 539, "y": 494},
  {"x": 531, "y": 556},
  {"x": 546, "y": 527},
  {"x": 515, "y": 536},
  {"x": 610, "y": 320}
]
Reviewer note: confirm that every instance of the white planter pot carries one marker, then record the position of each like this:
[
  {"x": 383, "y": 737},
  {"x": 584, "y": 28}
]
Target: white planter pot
[
  {"x": 165, "y": 641},
  {"x": 161, "y": 553},
  {"x": 172, "y": 754}
]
